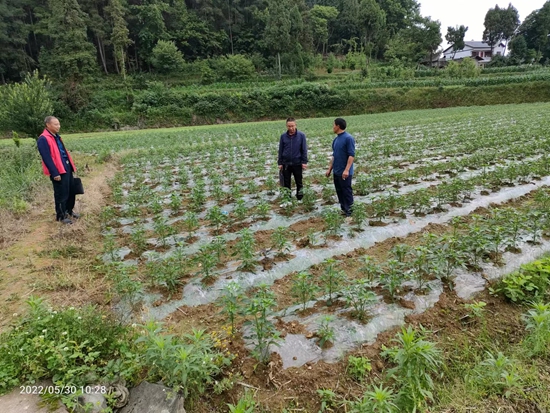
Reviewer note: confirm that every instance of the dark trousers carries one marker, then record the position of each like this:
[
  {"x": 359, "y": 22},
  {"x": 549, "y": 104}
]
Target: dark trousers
[
  {"x": 296, "y": 170},
  {"x": 344, "y": 193},
  {"x": 63, "y": 195}
]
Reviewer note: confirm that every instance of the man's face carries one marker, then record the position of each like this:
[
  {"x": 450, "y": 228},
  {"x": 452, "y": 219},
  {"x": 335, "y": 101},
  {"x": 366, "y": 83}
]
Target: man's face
[
  {"x": 335, "y": 128},
  {"x": 53, "y": 125},
  {"x": 291, "y": 128}
]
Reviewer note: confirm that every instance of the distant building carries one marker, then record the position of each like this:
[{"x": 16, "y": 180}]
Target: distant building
[{"x": 479, "y": 51}]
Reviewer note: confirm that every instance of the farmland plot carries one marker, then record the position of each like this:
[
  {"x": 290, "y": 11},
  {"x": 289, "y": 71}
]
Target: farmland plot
[
  {"x": 445, "y": 202},
  {"x": 197, "y": 216}
]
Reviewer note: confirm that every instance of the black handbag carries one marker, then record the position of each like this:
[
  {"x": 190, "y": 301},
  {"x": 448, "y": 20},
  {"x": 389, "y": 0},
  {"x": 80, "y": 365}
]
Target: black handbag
[{"x": 78, "y": 188}]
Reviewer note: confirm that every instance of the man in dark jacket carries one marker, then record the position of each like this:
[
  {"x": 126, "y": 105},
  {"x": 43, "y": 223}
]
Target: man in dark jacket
[
  {"x": 292, "y": 156},
  {"x": 58, "y": 164}
]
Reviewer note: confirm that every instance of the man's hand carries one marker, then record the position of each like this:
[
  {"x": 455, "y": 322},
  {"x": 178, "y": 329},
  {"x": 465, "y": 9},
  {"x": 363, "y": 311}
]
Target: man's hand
[
  {"x": 345, "y": 174},
  {"x": 280, "y": 167},
  {"x": 327, "y": 173},
  {"x": 57, "y": 178},
  {"x": 304, "y": 166}
]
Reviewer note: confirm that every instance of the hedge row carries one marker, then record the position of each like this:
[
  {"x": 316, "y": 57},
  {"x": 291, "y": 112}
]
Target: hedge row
[{"x": 166, "y": 107}]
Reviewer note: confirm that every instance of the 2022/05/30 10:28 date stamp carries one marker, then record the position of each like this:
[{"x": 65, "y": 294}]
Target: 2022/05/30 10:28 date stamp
[{"x": 52, "y": 389}]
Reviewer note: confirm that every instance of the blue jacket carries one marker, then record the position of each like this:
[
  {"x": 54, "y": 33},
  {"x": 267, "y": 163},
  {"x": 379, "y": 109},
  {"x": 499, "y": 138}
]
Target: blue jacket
[
  {"x": 343, "y": 146},
  {"x": 292, "y": 149}
]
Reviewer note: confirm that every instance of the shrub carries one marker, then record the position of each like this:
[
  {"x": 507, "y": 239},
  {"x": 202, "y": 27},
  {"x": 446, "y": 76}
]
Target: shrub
[
  {"x": 187, "y": 363},
  {"x": 234, "y": 68},
  {"x": 73, "y": 346},
  {"x": 531, "y": 282},
  {"x": 24, "y": 105},
  {"x": 166, "y": 58}
]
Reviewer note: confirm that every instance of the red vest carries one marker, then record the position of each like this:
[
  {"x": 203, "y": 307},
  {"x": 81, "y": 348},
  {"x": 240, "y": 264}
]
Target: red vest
[{"x": 56, "y": 155}]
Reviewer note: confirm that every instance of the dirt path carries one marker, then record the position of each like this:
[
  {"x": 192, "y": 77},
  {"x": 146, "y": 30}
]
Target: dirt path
[{"x": 50, "y": 260}]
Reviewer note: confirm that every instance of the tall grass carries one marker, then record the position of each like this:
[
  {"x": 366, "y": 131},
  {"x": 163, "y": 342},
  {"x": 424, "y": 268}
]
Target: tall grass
[{"x": 20, "y": 175}]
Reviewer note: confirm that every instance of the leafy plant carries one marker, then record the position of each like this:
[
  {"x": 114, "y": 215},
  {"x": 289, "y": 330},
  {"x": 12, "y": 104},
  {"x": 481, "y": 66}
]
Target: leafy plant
[
  {"x": 416, "y": 361},
  {"x": 280, "y": 242},
  {"x": 138, "y": 238},
  {"x": 309, "y": 198},
  {"x": 333, "y": 220},
  {"x": 358, "y": 367},
  {"x": 246, "y": 404},
  {"x": 74, "y": 346},
  {"x": 244, "y": 249},
  {"x": 476, "y": 309},
  {"x": 231, "y": 302},
  {"x": 258, "y": 308},
  {"x": 217, "y": 217},
  {"x": 378, "y": 400},
  {"x": 359, "y": 296},
  {"x": 188, "y": 363},
  {"x": 303, "y": 288},
  {"x": 240, "y": 210},
  {"x": 371, "y": 270},
  {"x": 359, "y": 214},
  {"x": 206, "y": 262},
  {"x": 218, "y": 245},
  {"x": 537, "y": 323},
  {"x": 494, "y": 375},
  {"x": 162, "y": 228},
  {"x": 175, "y": 202},
  {"x": 328, "y": 400},
  {"x": 191, "y": 223},
  {"x": 331, "y": 279},
  {"x": 262, "y": 210},
  {"x": 325, "y": 332},
  {"x": 392, "y": 277},
  {"x": 165, "y": 273}
]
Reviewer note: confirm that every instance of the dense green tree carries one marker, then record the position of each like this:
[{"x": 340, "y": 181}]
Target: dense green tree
[
  {"x": 500, "y": 25},
  {"x": 69, "y": 55},
  {"x": 166, "y": 58},
  {"x": 147, "y": 28},
  {"x": 417, "y": 43},
  {"x": 13, "y": 38},
  {"x": 277, "y": 36},
  {"x": 372, "y": 21},
  {"x": 119, "y": 36},
  {"x": 535, "y": 30},
  {"x": 455, "y": 36},
  {"x": 321, "y": 18}
]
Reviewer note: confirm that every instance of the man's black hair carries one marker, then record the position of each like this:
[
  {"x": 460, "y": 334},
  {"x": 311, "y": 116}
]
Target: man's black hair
[
  {"x": 290, "y": 120},
  {"x": 341, "y": 123}
]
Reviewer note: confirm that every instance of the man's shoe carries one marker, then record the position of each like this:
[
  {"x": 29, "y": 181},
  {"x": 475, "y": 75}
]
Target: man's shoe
[
  {"x": 66, "y": 221},
  {"x": 348, "y": 220},
  {"x": 74, "y": 215}
]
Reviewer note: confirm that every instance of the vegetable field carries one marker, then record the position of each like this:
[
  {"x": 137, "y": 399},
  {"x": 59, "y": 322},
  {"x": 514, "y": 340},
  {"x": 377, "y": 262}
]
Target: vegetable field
[{"x": 198, "y": 234}]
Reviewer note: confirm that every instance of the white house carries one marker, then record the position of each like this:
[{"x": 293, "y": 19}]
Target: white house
[{"x": 479, "y": 51}]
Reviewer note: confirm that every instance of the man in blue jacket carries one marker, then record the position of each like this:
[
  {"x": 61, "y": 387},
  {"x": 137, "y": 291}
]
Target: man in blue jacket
[
  {"x": 341, "y": 165},
  {"x": 292, "y": 158}
]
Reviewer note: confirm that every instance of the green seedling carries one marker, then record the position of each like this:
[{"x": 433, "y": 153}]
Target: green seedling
[
  {"x": 325, "y": 333},
  {"x": 332, "y": 280},
  {"x": 303, "y": 288},
  {"x": 231, "y": 302},
  {"x": 279, "y": 241},
  {"x": 358, "y": 368},
  {"x": 359, "y": 296},
  {"x": 217, "y": 217}
]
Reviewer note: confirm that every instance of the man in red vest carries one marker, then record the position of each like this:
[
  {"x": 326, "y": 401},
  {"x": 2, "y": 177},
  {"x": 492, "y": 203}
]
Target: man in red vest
[{"x": 58, "y": 164}]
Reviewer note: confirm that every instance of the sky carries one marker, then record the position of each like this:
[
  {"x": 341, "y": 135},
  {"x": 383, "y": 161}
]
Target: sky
[{"x": 471, "y": 13}]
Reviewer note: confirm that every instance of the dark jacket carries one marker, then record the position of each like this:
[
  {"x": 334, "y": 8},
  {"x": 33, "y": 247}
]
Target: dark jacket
[{"x": 292, "y": 149}]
